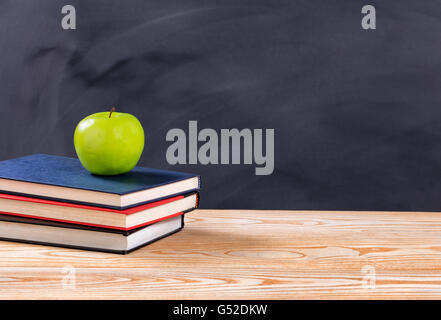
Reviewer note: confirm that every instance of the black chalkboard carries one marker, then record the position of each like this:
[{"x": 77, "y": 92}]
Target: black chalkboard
[{"x": 356, "y": 113}]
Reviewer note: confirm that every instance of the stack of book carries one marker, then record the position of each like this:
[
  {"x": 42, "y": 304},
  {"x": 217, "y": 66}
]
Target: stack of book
[{"x": 53, "y": 200}]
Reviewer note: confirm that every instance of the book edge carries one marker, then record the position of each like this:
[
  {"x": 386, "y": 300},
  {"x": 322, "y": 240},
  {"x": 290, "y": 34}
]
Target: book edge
[
  {"x": 96, "y": 205},
  {"x": 42, "y": 243}
]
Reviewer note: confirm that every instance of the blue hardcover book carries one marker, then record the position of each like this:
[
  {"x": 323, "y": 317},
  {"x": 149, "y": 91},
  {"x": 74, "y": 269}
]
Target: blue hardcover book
[{"x": 65, "y": 179}]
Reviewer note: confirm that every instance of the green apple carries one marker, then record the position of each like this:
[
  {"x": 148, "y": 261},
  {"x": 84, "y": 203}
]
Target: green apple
[{"x": 109, "y": 143}]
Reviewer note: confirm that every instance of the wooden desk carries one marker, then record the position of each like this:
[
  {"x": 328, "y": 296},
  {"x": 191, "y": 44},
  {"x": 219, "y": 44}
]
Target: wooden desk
[{"x": 247, "y": 254}]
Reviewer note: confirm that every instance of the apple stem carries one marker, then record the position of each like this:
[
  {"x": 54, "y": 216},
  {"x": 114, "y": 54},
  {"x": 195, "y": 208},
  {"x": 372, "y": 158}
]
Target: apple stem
[{"x": 111, "y": 111}]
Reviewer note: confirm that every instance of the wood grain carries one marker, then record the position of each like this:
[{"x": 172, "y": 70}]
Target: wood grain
[{"x": 247, "y": 255}]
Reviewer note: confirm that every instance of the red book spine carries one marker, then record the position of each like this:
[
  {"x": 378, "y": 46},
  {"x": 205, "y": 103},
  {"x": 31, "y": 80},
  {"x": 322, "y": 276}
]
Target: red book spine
[{"x": 80, "y": 206}]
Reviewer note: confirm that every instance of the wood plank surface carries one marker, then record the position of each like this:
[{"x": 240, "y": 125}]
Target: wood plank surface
[{"x": 244, "y": 254}]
